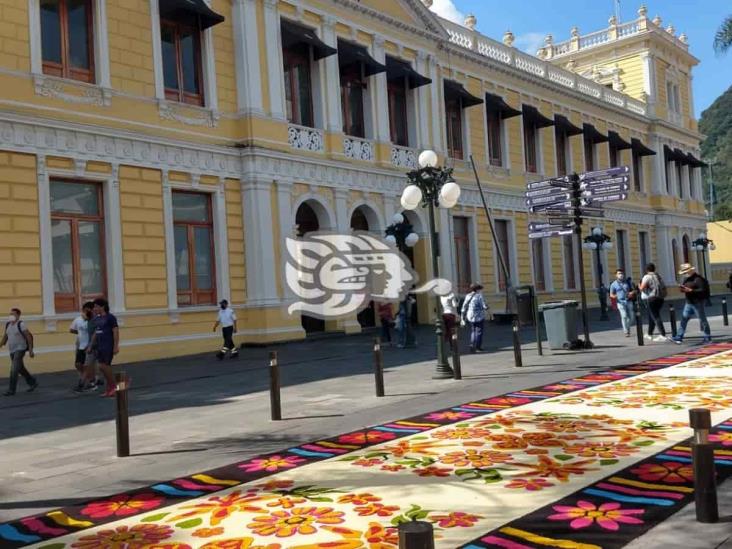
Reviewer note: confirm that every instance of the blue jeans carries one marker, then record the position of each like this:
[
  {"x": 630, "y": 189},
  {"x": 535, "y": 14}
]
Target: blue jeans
[
  {"x": 476, "y": 335},
  {"x": 625, "y": 309},
  {"x": 691, "y": 309}
]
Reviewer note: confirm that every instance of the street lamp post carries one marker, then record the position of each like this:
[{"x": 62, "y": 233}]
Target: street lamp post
[
  {"x": 430, "y": 187},
  {"x": 597, "y": 241},
  {"x": 401, "y": 234},
  {"x": 702, "y": 244}
]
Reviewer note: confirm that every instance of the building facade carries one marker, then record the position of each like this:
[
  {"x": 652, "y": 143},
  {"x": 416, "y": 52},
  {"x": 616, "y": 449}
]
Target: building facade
[{"x": 158, "y": 152}]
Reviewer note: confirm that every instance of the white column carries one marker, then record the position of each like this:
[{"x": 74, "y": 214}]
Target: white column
[
  {"x": 46, "y": 240},
  {"x": 658, "y": 175},
  {"x": 685, "y": 183},
  {"x": 275, "y": 72},
  {"x": 209, "y": 68},
  {"x": 447, "y": 263},
  {"x": 389, "y": 209},
  {"x": 221, "y": 248},
  {"x": 380, "y": 104},
  {"x": 169, "y": 243},
  {"x": 246, "y": 45},
  {"x": 258, "y": 242},
  {"x": 113, "y": 232},
  {"x": 157, "y": 50},
  {"x": 34, "y": 27},
  {"x": 343, "y": 223},
  {"x": 664, "y": 256},
  {"x": 101, "y": 40},
  {"x": 287, "y": 223},
  {"x": 649, "y": 82},
  {"x": 437, "y": 106},
  {"x": 422, "y": 96},
  {"x": 332, "y": 95}
]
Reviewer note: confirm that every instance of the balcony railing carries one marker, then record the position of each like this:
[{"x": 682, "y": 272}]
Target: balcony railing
[
  {"x": 358, "y": 149},
  {"x": 305, "y": 139},
  {"x": 404, "y": 157}
]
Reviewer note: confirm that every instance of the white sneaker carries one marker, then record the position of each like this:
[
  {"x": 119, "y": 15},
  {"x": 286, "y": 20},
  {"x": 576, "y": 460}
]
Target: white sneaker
[
  {"x": 648, "y": 338},
  {"x": 660, "y": 338}
]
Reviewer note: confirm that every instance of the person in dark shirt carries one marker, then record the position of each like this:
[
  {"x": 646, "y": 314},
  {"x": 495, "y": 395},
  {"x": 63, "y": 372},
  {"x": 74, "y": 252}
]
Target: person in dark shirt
[
  {"x": 696, "y": 290},
  {"x": 105, "y": 342}
]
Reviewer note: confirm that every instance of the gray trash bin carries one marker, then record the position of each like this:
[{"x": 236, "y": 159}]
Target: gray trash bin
[{"x": 560, "y": 319}]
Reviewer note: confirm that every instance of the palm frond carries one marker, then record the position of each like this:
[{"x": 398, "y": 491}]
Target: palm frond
[{"x": 723, "y": 38}]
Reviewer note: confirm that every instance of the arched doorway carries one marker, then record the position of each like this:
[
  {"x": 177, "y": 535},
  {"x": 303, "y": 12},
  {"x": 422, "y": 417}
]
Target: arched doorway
[
  {"x": 360, "y": 222},
  {"x": 307, "y": 221},
  {"x": 686, "y": 248}
]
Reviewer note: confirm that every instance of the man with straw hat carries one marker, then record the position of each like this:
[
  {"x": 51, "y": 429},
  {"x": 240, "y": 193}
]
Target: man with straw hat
[{"x": 696, "y": 290}]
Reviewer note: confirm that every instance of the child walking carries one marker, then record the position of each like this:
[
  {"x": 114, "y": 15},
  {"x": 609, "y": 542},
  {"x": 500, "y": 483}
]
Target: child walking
[{"x": 227, "y": 320}]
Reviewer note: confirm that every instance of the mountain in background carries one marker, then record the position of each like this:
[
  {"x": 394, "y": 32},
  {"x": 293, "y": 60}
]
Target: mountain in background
[{"x": 716, "y": 124}]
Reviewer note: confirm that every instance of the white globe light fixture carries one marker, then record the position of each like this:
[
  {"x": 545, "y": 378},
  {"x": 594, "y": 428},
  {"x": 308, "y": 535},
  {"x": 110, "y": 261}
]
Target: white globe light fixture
[
  {"x": 398, "y": 219},
  {"x": 699, "y": 248},
  {"x": 411, "y": 240},
  {"x": 411, "y": 197},
  {"x": 607, "y": 245},
  {"x": 427, "y": 159},
  {"x": 597, "y": 231},
  {"x": 391, "y": 240},
  {"x": 703, "y": 236},
  {"x": 449, "y": 194}
]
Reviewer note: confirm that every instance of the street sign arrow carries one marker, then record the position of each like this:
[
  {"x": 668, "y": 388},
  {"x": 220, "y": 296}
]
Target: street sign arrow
[
  {"x": 560, "y": 206},
  {"x": 546, "y": 234},
  {"x": 605, "y": 198},
  {"x": 535, "y": 226},
  {"x": 549, "y": 199},
  {"x": 547, "y": 183},
  {"x": 587, "y": 211},
  {"x": 604, "y": 174},
  {"x": 547, "y": 191},
  {"x": 604, "y": 181},
  {"x": 609, "y": 189}
]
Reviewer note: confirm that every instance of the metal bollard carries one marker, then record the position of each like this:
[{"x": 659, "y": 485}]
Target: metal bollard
[
  {"x": 123, "y": 414},
  {"x": 725, "y": 318},
  {"x": 702, "y": 453},
  {"x": 416, "y": 534},
  {"x": 378, "y": 368},
  {"x": 516, "y": 343},
  {"x": 456, "y": 368},
  {"x": 638, "y": 323},
  {"x": 274, "y": 387},
  {"x": 672, "y": 318}
]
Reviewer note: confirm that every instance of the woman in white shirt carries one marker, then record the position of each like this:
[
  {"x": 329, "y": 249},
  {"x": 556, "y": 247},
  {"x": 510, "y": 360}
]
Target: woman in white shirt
[
  {"x": 449, "y": 315},
  {"x": 227, "y": 320}
]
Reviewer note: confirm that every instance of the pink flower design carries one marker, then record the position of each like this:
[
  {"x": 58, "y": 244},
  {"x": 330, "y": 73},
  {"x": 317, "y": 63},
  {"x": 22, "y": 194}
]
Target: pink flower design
[
  {"x": 451, "y": 416},
  {"x": 532, "y": 485},
  {"x": 122, "y": 505},
  {"x": 271, "y": 463},
  {"x": 366, "y": 437},
  {"x": 608, "y": 516}
]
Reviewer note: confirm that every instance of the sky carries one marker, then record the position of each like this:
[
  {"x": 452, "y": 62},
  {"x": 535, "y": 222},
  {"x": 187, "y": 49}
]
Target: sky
[{"x": 531, "y": 20}]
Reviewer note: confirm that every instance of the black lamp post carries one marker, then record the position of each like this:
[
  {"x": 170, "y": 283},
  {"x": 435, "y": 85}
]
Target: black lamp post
[
  {"x": 597, "y": 241},
  {"x": 401, "y": 234},
  {"x": 702, "y": 244},
  {"x": 432, "y": 187}
]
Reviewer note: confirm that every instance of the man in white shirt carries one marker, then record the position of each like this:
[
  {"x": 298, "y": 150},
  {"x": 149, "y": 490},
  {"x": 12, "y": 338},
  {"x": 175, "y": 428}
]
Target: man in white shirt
[
  {"x": 227, "y": 320},
  {"x": 80, "y": 327}
]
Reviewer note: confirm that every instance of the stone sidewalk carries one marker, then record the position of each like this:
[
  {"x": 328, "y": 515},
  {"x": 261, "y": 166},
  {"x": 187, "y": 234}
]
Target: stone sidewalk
[{"x": 196, "y": 413}]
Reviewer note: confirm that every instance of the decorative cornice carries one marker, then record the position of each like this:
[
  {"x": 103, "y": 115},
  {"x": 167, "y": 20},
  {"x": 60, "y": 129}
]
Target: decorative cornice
[
  {"x": 70, "y": 91},
  {"x": 432, "y": 26},
  {"x": 186, "y": 114}
]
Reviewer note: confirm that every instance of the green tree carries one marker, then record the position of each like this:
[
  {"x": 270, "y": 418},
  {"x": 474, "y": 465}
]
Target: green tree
[
  {"x": 723, "y": 38},
  {"x": 716, "y": 124}
]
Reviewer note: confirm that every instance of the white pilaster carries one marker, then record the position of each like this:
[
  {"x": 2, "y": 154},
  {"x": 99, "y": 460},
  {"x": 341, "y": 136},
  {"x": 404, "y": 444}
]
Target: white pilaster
[
  {"x": 422, "y": 97},
  {"x": 649, "y": 82},
  {"x": 209, "y": 71},
  {"x": 46, "y": 240},
  {"x": 258, "y": 242},
  {"x": 380, "y": 104},
  {"x": 113, "y": 232},
  {"x": 101, "y": 45},
  {"x": 287, "y": 222},
  {"x": 157, "y": 50},
  {"x": 437, "y": 106},
  {"x": 447, "y": 261},
  {"x": 664, "y": 255},
  {"x": 275, "y": 73},
  {"x": 169, "y": 231},
  {"x": 389, "y": 209},
  {"x": 34, "y": 27},
  {"x": 332, "y": 95},
  {"x": 246, "y": 45},
  {"x": 658, "y": 174},
  {"x": 221, "y": 249},
  {"x": 685, "y": 183},
  {"x": 343, "y": 223}
]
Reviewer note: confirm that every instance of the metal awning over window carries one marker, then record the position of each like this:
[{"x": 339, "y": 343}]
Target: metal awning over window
[
  {"x": 617, "y": 141},
  {"x": 296, "y": 35},
  {"x": 564, "y": 124},
  {"x": 497, "y": 103},
  {"x": 532, "y": 114},
  {"x": 674, "y": 155},
  {"x": 681, "y": 157},
  {"x": 640, "y": 149},
  {"x": 694, "y": 162},
  {"x": 593, "y": 135},
  {"x": 396, "y": 68},
  {"x": 455, "y": 90},
  {"x": 350, "y": 54},
  {"x": 192, "y": 11}
]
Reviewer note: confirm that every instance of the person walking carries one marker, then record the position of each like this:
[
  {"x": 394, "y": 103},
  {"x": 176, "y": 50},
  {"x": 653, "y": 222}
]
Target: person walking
[
  {"x": 696, "y": 290},
  {"x": 386, "y": 316},
  {"x": 80, "y": 328},
  {"x": 621, "y": 292},
  {"x": 653, "y": 294},
  {"x": 473, "y": 312},
  {"x": 227, "y": 320},
  {"x": 104, "y": 344},
  {"x": 449, "y": 315},
  {"x": 20, "y": 341}
]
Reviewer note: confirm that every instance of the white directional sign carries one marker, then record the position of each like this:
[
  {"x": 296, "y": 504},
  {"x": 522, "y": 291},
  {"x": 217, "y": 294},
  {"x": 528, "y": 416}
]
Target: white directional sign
[
  {"x": 562, "y": 206},
  {"x": 606, "y": 189},
  {"x": 549, "y": 199},
  {"x": 605, "y": 174},
  {"x": 535, "y": 226},
  {"x": 546, "y": 184},
  {"x": 604, "y": 198},
  {"x": 588, "y": 211},
  {"x": 546, "y": 191},
  {"x": 553, "y": 232}
]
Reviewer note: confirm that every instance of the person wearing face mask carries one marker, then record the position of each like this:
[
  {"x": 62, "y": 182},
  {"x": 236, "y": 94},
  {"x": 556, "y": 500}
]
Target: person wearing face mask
[
  {"x": 20, "y": 341},
  {"x": 622, "y": 292}
]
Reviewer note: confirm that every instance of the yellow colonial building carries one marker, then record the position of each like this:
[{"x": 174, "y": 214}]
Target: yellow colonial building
[{"x": 158, "y": 152}]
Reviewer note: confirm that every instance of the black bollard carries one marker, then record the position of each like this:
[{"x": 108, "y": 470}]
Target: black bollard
[
  {"x": 123, "y": 414},
  {"x": 518, "y": 362},
  {"x": 638, "y": 323},
  {"x": 725, "y": 318},
  {"x": 416, "y": 534},
  {"x": 456, "y": 368},
  {"x": 702, "y": 453},
  {"x": 672, "y": 318},
  {"x": 274, "y": 387},
  {"x": 378, "y": 368}
]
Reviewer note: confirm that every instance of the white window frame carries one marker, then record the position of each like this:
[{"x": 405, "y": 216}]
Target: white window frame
[
  {"x": 208, "y": 64},
  {"x": 112, "y": 230},
  {"x": 221, "y": 248},
  {"x": 102, "y": 76}
]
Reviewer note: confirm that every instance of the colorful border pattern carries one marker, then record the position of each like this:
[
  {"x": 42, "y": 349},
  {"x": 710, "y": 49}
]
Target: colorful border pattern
[{"x": 604, "y": 495}]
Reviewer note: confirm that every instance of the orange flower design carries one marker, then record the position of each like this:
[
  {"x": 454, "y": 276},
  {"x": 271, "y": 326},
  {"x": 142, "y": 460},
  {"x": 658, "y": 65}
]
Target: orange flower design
[
  {"x": 462, "y": 433},
  {"x": 601, "y": 450},
  {"x": 208, "y": 532},
  {"x": 379, "y": 537},
  {"x": 221, "y": 507},
  {"x": 286, "y": 502},
  {"x": 300, "y": 520},
  {"x": 124, "y": 537},
  {"x": 378, "y": 509},
  {"x": 238, "y": 543},
  {"x": 433, "y": 471},
  {"x": 453, "y": 520},
  {"x": 276, "y": 484},
  {"x": 475, "y": 458},
  {"x": 548, "y": 467},
  {"x": 358, "y": 499},
  {"x": 509, "y": 442}
]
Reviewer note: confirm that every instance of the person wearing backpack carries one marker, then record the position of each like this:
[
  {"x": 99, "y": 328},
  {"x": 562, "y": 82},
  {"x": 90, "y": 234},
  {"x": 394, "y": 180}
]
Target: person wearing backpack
[
  {"x": 653, "y": 293},
  {"x": 20, "y": 341},
  {"x": 473, "y": 313},
  {"x": 696, "y": 290}
]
